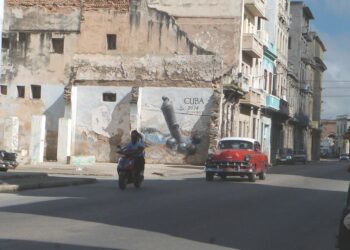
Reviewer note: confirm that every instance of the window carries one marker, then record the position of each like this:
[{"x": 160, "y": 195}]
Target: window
[
  {"x": 265, "y": 79},
  {"x": 290, "y": 43},
  {"x": 3, "y": 89},
  {"x": 58, "y": 45},
  {"x": 109, "y": 97},
  {"x": 111, "y": 41},
  {"x": 20, "y": 91},
  {"x": 36, "y": 91},
  {"x": 233, "y": 144},
  {"x": 5, "y": 43}
]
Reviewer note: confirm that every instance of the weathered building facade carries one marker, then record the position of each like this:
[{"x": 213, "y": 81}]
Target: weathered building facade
[
  {"x": 306, "y": 69},
  {"x": 184, "y": 74},
  {"x": 109, "y": 67}
]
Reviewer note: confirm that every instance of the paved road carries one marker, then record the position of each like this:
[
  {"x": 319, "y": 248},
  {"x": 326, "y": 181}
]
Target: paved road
[{"x": 296, "y": 208}]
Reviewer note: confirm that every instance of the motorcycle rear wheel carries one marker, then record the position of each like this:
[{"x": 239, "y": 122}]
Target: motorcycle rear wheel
[
  {"x": 122, "y": 181},
  {"x": 138, "y": 181}
]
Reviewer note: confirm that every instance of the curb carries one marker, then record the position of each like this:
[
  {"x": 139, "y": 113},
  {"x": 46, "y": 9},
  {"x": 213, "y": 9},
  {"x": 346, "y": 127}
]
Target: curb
[{"x": 47, "y": 182}]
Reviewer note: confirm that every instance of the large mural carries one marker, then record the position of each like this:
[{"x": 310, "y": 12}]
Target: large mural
[{"x": 175, "y": 124}]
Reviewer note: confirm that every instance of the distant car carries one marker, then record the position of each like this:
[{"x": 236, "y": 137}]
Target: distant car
[
  {"x": 299, "y": 156},
  {"x": 344, "y": 157},
  {"x": 285, "y": 156},
  {"x": 7, "y": 160},
  {"x": 237, "y": 156}
]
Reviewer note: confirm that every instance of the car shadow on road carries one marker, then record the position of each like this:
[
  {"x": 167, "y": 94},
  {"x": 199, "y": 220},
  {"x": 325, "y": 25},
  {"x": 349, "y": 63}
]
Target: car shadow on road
[{"x": 235, "y": 214}]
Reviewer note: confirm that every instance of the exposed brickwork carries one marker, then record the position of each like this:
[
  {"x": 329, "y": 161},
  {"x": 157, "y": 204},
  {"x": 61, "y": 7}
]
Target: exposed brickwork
[
  {"x": 44, "y": 3},
  {"x": 119, "y": 5}
]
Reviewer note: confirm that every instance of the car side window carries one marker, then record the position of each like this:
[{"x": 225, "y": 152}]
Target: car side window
[{"x": 256, "y": 146}]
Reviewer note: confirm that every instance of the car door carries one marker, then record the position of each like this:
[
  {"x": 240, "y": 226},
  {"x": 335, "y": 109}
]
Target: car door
[{"x": 258, "y": 156}]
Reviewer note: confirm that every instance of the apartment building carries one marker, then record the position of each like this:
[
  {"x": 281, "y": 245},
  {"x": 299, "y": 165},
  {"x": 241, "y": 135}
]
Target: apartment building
[{"x": 343, "y": 126}]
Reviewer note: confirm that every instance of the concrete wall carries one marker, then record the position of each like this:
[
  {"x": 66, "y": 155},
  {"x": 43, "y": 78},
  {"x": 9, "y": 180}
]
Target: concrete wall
[{"x": 199, "y": 8}]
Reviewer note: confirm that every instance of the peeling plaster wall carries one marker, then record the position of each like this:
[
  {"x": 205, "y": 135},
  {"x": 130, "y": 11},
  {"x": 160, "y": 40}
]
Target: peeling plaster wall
[
  {"x": 138, "y": 33},
  {"x": 191, "y": 80},
  {"x": 141, "y": 33},
  {"x": 154, "y": 69},
  {"x": 23, "y": 109},
  {"x": 221, "y": 36},
  {"x": 51, "y": 104},
  {"x": 101, "y": 126},
  {"x": 215, "y": 25}
]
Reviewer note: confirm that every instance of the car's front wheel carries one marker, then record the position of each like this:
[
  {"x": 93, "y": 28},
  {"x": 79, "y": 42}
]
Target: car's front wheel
[
  {"x": 209, "y": 176},
  {"x": 252, "y": 177}
]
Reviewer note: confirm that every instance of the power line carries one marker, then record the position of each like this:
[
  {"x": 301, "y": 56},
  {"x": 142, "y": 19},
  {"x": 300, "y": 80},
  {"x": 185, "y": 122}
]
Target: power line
[
  {"x": 337, "y": 87},
  {"x": 333, "y": 96}
]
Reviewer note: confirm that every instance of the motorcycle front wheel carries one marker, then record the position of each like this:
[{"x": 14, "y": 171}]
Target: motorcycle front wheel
[{"x": 122, "y": 181}]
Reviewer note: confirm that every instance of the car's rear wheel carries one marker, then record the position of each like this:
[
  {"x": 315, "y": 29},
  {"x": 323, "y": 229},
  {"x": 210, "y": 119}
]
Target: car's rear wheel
[
  {"x": 209, "y": 176},
  {"x": 262, "y": 176},
  {"x": 252, "y": 177}
]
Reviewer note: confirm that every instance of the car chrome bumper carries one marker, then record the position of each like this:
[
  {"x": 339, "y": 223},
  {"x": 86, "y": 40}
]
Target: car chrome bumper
[{"x": 228, "y": 170}]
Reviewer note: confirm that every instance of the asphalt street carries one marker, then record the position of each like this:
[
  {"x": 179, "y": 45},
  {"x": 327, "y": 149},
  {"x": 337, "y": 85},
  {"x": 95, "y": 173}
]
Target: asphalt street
[{"x": 296, "y": 208}]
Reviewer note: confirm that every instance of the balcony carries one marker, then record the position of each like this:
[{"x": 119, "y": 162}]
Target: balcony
[
  {"x": 256, "y": 7},
  {"x": 252, "y": 98},
  {"x": 284, "y": 107},
  {"x": 283, "y": 13},
  {"x": 264, "y": 37},
  {"x": 273, "y": 102},
  {"x": 252, "y": 45}
]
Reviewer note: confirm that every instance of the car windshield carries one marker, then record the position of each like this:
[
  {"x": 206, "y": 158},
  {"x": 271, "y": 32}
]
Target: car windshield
[{"x": 234, "y": 144}]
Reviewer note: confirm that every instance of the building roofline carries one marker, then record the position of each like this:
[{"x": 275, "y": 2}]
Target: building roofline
[{"x": 308, "y": 13}]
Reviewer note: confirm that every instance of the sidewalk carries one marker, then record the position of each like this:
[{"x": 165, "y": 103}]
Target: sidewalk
[
  {"x": 18, "y": 181},
  {"x": 107, "y": 169},
  {"x": 52, "y": 174}
]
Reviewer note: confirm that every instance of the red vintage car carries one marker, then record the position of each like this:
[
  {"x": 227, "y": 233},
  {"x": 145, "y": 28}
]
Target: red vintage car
[{"x": 237, "y": 156}]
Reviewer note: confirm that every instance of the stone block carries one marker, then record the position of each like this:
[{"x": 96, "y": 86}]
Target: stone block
[
  {"x": 64, "y": 140},
  {"x": 37, "y": 139},
  {"x": 11, "y": 131}
]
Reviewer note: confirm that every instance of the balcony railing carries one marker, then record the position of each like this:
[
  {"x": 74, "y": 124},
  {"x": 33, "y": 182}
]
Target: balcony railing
[
  {"x": 256, "y": 7},
  {"x": 273, "y": 102},
  {"x": 264, "y": 37},
  {"x": 252, "y": 98},
  {"x": 252, "y": 45}
]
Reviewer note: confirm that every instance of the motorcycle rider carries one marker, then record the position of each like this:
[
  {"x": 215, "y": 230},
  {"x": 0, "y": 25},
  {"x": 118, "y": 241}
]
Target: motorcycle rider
[{"x": 136, "y": 147}]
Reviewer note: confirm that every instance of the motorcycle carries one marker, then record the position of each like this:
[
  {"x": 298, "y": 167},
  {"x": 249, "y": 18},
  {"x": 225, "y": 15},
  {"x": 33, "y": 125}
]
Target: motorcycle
[
  {"x": 7, "y": 160},
  {"x": 127, "y": 170}
]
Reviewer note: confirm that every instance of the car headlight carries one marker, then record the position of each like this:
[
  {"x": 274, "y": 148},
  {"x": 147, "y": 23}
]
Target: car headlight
[
  {"x": 289, "y": 157},
  {"x": 247, "y": 158}
]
